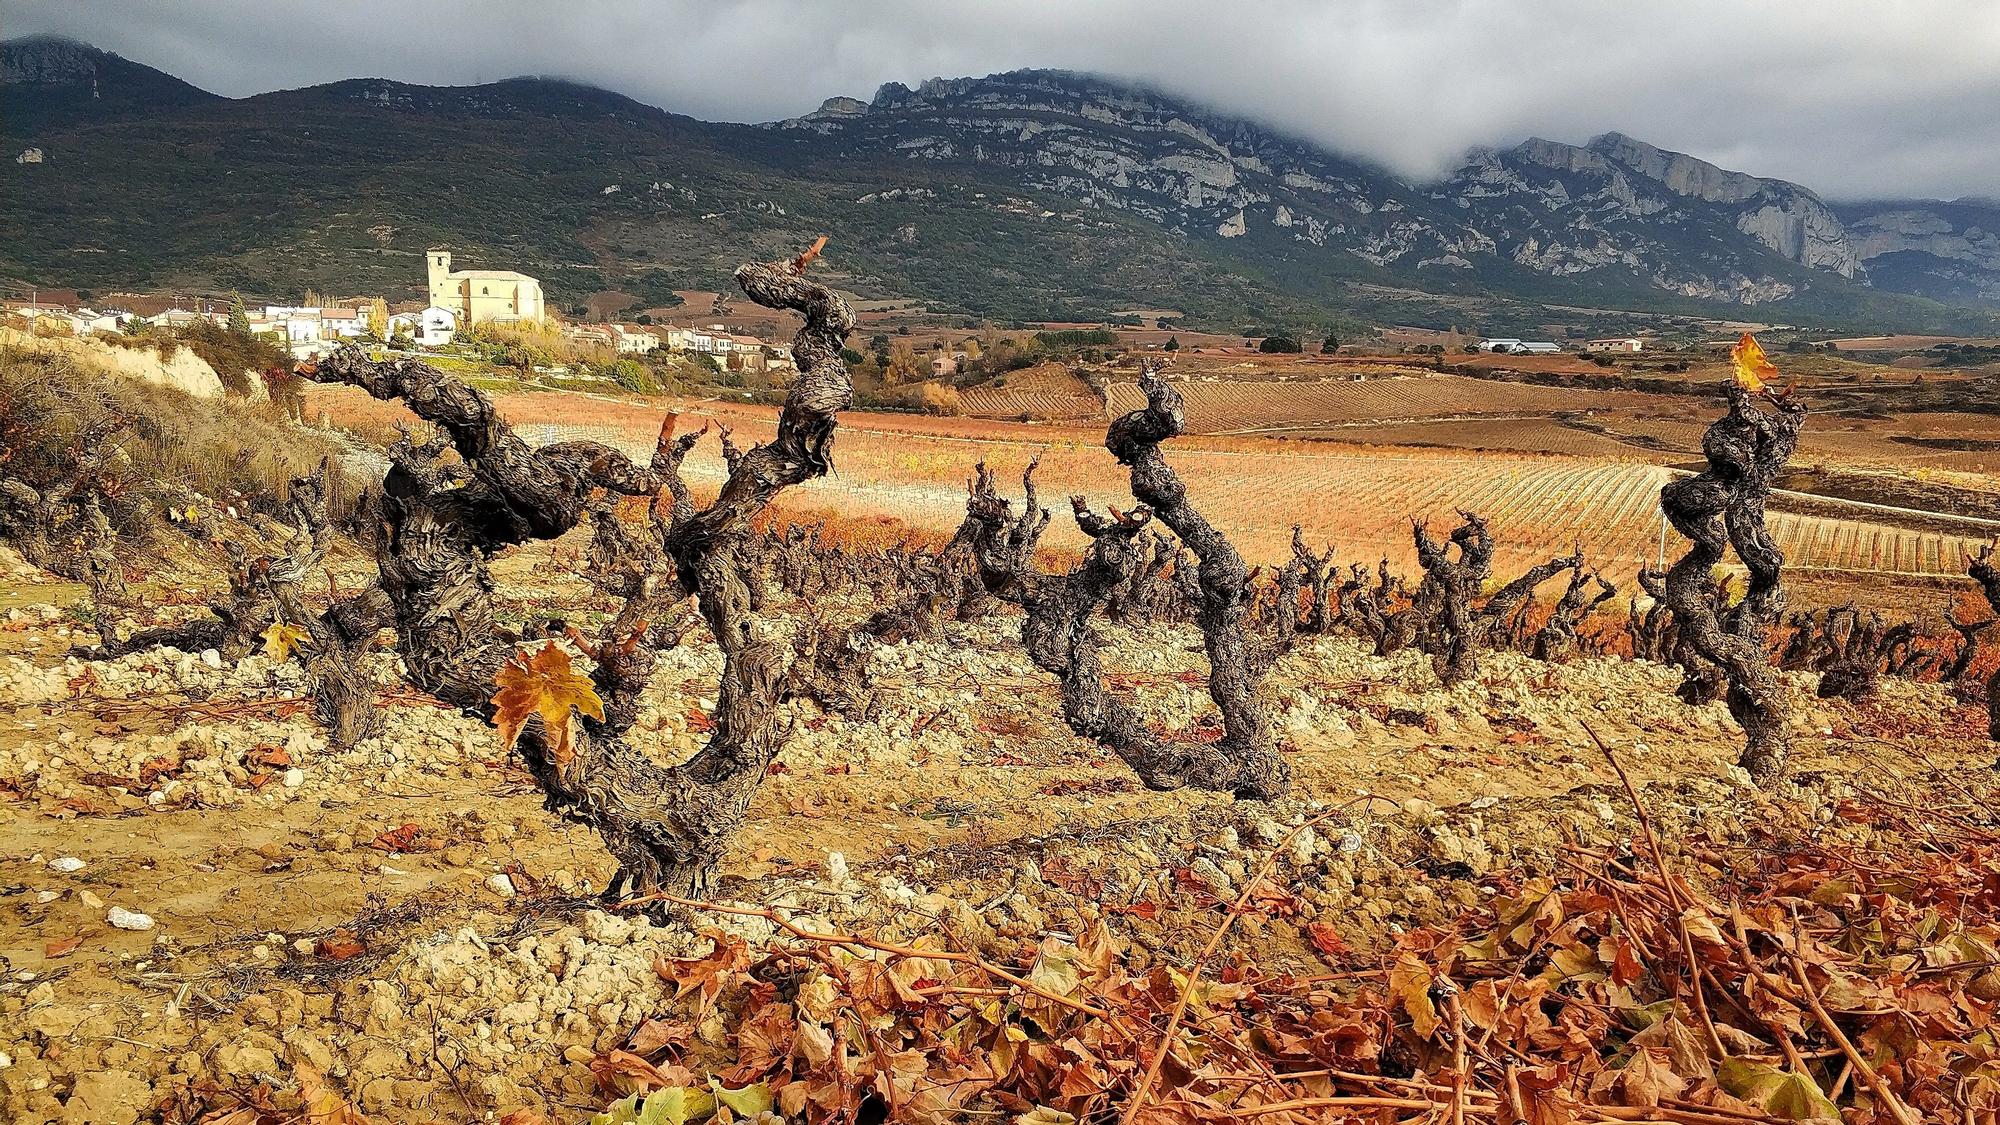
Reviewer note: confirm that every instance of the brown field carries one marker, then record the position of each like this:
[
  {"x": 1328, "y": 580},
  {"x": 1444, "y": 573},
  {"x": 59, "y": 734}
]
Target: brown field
[
  {"x": 1045, "y": 392},
  {"x": 1517, "y": 435},
  {"x": 1904, "y": 343},
  {"x": 1235, "y": 407},
  {"x": 908, "y": 472}
]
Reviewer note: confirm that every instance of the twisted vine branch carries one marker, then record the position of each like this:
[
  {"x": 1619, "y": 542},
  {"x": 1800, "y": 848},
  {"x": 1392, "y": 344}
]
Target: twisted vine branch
[
  {"x": 666, "y": 825},
  {"x": 1723, "y": 507}
]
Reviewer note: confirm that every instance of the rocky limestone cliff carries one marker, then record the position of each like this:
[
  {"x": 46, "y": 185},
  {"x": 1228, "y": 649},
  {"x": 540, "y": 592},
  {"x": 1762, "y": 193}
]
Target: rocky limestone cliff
[
  {"x": 1645, "y": 180},
  {"x": 1950, "y": 251},
  {"x": 1654, "y": 218},
  {"x": 47, "y": 61}
]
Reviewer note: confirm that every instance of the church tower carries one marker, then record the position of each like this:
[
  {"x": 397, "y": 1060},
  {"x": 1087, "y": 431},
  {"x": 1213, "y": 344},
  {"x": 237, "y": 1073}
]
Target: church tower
[{"x": 440, "y": 278}]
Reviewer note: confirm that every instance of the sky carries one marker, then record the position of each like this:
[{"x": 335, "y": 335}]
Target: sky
[{"x": 1856, "y": 99}]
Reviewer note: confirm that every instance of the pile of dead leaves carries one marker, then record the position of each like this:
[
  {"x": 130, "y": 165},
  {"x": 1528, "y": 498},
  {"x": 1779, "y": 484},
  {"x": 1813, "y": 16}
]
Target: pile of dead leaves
[{"x": 1844, "y": 973}]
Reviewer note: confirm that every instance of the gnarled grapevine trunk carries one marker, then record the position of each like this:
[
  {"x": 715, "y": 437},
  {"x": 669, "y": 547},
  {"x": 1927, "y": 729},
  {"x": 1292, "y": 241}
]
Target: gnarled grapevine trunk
[
  {"x": 1449, "y": 627},
  {"x": 1988, "y": 576},
  {"x": 1062, "y": 640},
  {"x": 1318, "y": 575},
  {"x": 666, "y": 825},
  {"x": 1557, "y": 638},
  {"x": 1969, "y": 635},
  {"x": 1721, "y": 508}
]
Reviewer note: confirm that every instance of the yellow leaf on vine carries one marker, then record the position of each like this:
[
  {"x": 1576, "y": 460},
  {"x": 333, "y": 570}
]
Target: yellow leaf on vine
[
  {"x": 543, "y": 683},
  {"x": 280, "y": 640},
  {"x": 1752, "y": 369}
]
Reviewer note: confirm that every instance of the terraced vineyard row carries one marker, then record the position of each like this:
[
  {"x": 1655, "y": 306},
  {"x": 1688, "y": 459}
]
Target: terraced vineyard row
[
  {"x": 1359, "y": 501},
  {"x": 1519, "y": 435},
  {"x": 1043, "y": 393},
  {"x": 1244, "y": 407}
]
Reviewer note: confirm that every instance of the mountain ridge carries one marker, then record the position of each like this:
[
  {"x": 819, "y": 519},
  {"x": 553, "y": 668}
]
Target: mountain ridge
[{"x": 1271, "y": 225}]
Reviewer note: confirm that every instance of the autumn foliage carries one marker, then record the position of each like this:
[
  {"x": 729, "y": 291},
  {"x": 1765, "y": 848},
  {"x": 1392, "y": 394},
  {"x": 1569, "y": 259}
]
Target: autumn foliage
[
  {"x": 543, "y": 684},
  {"x": 1797, "y": 979}
]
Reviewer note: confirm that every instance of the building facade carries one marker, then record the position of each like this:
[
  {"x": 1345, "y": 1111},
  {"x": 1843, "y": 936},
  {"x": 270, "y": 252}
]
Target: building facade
[
  {"x": 430, "y": 328},
  {"x": 476, "y": 296}
]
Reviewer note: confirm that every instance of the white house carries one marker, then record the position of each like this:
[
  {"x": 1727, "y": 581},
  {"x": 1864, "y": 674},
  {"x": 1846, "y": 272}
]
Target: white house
[
  {"x": 433, "y": 327},
  {"x": 174, "y": 318},
  {"x": 634, "y": 339},
  {"x": 326, "y": 324},
  {"x": 345, "y": 323},
  {"x": 1619, "y": 344},
  {"x": 1510, "y": 345}
]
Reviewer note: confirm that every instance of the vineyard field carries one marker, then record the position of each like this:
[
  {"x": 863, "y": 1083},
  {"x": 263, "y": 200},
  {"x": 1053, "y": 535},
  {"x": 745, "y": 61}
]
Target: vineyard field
[
  {"x": 911, "y": 472},
  {"x": 1269, "y": 407},
  {"x": 1042, "y": 393},
  {"x": 1516, "y": 435}
]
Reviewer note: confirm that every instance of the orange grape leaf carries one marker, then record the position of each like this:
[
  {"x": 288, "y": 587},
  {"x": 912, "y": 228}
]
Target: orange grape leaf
[
  {"x": 1328, "y": 941},
  {"x": 1752, "y": 369},
  {"x": 280, "y": 639},
  {"x": 62, "y": 948},
  {"x": 1410, "y": 985},
  {"x": 339, "y": 946},
  {"x": 1649, "y": 1077},
  {"x": 544, "y": 684}
]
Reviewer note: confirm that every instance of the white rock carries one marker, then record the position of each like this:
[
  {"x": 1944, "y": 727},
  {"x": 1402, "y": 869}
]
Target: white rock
[
  {"x": 128, "y": 919},
  {"x": 211, "y": 658},
  {"x": 66, "y": 864},
  {"x": 501, "y": 885},
  {"x": 836, "y": 869},
  {"x": 6, "y": 1060},
  {"x": 294, "y": 777}
]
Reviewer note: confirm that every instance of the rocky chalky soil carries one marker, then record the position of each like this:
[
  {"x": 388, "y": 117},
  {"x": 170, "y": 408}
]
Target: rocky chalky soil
[{"x": 197, "y": 895}]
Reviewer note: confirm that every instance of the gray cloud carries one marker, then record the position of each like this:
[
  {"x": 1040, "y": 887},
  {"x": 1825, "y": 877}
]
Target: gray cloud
[{"x": 1854, "y": 98}]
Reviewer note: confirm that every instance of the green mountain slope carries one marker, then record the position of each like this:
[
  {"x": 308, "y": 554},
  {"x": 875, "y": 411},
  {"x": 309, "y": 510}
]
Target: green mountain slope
[{"x": 1031, "y": 195}]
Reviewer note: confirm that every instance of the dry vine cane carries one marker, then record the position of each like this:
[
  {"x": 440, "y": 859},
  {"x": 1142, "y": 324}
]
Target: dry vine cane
[
  {"x": 1723, "y": 507},
  {"x": 666, "y": 826}
]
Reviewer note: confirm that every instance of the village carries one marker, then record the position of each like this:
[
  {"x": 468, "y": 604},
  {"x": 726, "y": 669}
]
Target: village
[{"x": 457, "y": 302}]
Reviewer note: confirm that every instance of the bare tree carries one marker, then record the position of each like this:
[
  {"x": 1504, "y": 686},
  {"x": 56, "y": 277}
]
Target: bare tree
[
  {"x": 667, "y": 825},
  {"x": 1717, "y": 509}
]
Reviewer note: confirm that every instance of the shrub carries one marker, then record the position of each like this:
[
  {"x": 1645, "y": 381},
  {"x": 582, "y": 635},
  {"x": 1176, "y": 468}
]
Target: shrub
[
  {"x": 1279, "y": 344},
  {"x": 238, "y": 357},
  {"x": 633, "y": 376},
  {"x": 1076, "y": 337},
  {"x": 227, "y": 449},
  {"x": 937, "y": 398}
]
